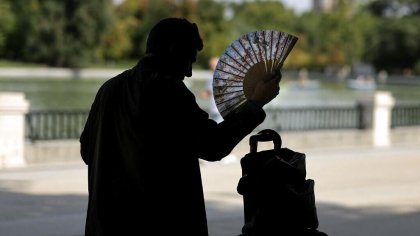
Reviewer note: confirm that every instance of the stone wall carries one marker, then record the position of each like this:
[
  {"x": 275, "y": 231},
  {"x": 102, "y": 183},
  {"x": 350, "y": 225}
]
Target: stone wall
[
  {"x": 42, "y": 152},
  {"x": 54, "y": 151}
]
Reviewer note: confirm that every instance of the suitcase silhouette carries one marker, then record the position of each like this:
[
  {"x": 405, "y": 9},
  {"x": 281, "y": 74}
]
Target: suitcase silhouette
[{"x": 278, "y": 199}]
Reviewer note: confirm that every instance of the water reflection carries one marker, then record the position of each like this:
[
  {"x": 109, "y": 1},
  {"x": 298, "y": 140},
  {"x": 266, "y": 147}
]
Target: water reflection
[{"x": 79, "y": 94}]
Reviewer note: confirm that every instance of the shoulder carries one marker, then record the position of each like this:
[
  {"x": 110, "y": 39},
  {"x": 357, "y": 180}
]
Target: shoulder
[{"x": 117, "y": 80}]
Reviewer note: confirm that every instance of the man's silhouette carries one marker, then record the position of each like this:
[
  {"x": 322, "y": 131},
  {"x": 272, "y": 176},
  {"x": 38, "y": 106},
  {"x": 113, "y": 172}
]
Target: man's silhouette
[{"x": 145, "y": 134}]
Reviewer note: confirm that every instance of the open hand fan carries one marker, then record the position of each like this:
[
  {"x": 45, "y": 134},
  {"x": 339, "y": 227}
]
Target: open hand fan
[{"x": 254, "y": 56}]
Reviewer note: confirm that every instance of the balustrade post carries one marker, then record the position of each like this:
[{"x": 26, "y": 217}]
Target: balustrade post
[
  {"x": 384, "y": 102},
  {"x": 13, "y": 107}
]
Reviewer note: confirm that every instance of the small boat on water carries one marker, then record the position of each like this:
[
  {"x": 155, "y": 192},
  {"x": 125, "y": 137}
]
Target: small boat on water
[
  {"x": 362, "y": 83},
  {"x": 304, "y": 84}
]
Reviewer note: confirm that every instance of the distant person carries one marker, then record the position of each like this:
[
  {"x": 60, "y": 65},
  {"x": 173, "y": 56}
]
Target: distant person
[{"x": 145, "y": 134}]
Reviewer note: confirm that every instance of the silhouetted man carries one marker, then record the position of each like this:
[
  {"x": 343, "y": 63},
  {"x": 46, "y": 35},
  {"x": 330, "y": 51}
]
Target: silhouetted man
[{"x": 145, "y": 134}]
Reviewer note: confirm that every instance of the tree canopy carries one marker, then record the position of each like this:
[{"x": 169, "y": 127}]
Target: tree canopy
[{"x": 75, "y": 33}]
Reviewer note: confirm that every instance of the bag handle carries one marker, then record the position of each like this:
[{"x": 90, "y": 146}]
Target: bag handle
[{"x": 265, "y": 136}]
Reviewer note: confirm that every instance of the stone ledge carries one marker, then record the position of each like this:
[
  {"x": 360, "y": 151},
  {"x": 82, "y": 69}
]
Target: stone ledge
[{"x": 66, "y": 151}]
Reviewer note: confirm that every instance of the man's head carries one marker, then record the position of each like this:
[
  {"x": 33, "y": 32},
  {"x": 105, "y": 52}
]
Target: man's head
[{"x": 176, "y": 40}]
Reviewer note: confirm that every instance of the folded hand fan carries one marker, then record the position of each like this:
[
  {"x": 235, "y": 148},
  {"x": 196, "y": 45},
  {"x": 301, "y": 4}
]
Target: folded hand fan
[{"x": 254, "y": 56}]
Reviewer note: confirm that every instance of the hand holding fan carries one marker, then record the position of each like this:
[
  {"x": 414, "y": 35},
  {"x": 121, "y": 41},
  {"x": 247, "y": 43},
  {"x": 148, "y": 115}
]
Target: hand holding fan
[{"x": 253, "y": 57}]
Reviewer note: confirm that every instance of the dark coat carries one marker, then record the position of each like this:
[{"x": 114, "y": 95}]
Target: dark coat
[{"x": 141, "y": 142}]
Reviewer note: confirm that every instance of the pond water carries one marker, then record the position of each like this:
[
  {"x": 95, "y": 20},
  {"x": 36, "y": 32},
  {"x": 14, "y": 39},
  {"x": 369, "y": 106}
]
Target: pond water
[
  {"x": 60, "y": 94},
  {"x": 54, "y": 94}
]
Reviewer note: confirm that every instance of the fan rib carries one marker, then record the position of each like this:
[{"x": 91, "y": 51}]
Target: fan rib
[
  {"x": 277, "y": 49},
  {"x": 248, "y": 47},
  {"x": 251, "y": 45},
  {"x": 271, "y": 45},
  {"x": 252, "y": 48},
  {"x": 229, "y": 86},
  {"x": 241, "y": 55},
  {"x": 264, "y": 47},
  {"x": 228, "y": 79},
  {"x": 266, "y": 44},
  {"x": 267, "y": 49},
  {"x": 260, "y": 49},
  {"x": 227, "y": 93},
  {"x": 228, "y": 100},
  {"x": 284, "y": 52},
  {"x": 271, "y": 52},
  {"x": 274, "y": 40},
  {"x": 258, "y": 46},
  {"x": 244, "y": 66},
  {"x": 230, "y": 73},
  {"x": 234, "y": 105},
  {"x": 247, "y": 53},
  {"x": 279, "y": 63},
  {"x": 232, "y": 66},
  {"x": 290, "y": 46}
]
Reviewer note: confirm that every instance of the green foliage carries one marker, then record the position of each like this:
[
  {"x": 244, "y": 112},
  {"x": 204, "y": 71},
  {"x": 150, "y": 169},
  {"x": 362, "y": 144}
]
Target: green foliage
[
  {"x": 398, "y": 47},
  {"x": 386, "y": 8},
  {"x": 58, "y": 33},
  {"x": 7, "y": 21},
  {"x": 48, "y": 43},
  {"x": 77, "y": 33},
  {"x": 251, "y": 16},
  {"x": 213, "y": 29},
  {"x": 25, "y": 12},
  {"x": 133, "y": 20},
  {"x": 86, "y": 23},
  {"x": 117, "y": 42},
  {"x": 393, "y": 43},
  {"x": 335, "y": 38}
]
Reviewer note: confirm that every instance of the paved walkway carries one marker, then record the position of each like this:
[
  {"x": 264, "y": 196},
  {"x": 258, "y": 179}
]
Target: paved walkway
[{"x": 364, "y": 192}]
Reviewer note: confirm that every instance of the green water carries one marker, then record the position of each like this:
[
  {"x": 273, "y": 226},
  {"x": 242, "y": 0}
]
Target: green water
[
  {"x": 54, "y": 94},
  {"x": 78, "y": 94}
]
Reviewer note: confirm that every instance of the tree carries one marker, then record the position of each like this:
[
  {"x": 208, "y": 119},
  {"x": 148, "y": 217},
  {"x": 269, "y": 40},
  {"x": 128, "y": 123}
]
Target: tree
[
  {"x": 47, "y": 42},
  {"x": 335, "y": 38},
  {"x": 58, "y": 33},
  {"x": 257, "y": 15},
  {"x": 7, "y": 22},
  {"x": 388, "y": 8},
  {"x": 393, "y": 43},
  {"x": 86, "y": 25},
  {"x": 396, "y": 48},
  {"x": 25, "y": 12},
  {"x": 213, "y": 29},
  {"x": 135, "y": 19}
]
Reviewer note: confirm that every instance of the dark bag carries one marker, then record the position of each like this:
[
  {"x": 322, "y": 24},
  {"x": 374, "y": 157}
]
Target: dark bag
[{"x": 278, "y": 199}]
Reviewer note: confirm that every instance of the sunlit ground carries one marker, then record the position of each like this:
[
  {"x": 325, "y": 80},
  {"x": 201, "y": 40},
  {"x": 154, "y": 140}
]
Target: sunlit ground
[{"x": 359, "y": 191}]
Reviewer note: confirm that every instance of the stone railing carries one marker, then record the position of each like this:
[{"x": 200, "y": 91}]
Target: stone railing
[
  {"x": 13, "y": 107},
  {"x": 373, "y": 128}
]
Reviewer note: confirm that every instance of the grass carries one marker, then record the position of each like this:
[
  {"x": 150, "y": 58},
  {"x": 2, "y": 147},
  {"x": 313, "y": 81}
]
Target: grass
[
  {"x": 107, "y": 65},
  {"x": 120, "y": 64},
  {"x": 8, "y": 63}
]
